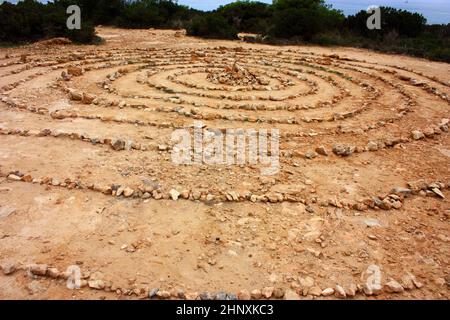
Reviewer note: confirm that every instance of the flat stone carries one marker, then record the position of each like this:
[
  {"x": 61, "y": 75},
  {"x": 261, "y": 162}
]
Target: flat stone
[
  {"x": 328, "y": 292},
  {"x": 315, "y": 291},
  {"x": 75, "y": 95},
  {"x": 96, "y": 284},
  {"x": 14, "y": 177},
  {"x": 244, "y": 295},
  {"x": 417, "y": 135},
  {"x": 53, "y": 273},
  {"x": 343, "y": 150},
  {"x": 393, "y": 287},
  {"x": 38, "y": 269}
]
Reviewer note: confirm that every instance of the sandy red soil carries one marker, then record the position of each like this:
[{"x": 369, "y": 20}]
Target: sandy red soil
[{"x": 318, "y": 223}]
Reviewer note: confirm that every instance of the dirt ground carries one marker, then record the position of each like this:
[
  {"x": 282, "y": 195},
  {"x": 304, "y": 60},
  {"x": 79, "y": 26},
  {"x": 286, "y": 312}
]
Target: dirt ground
[{"x": 87, "y": 180}]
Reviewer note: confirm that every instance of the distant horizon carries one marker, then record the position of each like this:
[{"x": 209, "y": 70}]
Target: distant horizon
[{"x": 435, "y": 11}]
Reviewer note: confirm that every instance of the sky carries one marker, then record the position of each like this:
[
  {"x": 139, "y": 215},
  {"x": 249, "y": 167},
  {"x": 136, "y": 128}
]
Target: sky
[{"x": 436, "y": 11}]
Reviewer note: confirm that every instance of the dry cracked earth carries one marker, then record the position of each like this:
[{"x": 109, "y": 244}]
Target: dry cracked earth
[{"x": 87, "y": 180}]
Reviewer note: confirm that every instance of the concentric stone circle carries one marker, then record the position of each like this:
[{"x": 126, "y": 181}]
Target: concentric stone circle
[
  {"x": 319, "y": 102},
  {"x": 308, "y": 95}
]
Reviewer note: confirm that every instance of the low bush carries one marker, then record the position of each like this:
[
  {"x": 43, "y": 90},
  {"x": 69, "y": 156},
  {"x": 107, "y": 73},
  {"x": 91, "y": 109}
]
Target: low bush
[{"x": 212, "y": 26}]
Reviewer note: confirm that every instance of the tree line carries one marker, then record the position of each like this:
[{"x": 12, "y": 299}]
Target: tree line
[
  {"x": 283, "y": 21},
  {"x": 30, "y": 20}
]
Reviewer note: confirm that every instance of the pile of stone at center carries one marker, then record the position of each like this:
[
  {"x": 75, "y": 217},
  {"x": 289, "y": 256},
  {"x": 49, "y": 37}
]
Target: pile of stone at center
[{"x": 236, "y": 76}]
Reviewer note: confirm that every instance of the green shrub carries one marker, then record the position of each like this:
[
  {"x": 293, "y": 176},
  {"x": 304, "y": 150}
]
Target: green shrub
[
  {"x": 283, "y": 22},
  {"x": 303, "y": 18},
  {"x": 30, "y": 20},
  {"x": 392, "y": 20},
  {"x": 212, "y": 26},
  {"x": 247, "y": 16},
  {"x": 440, "y": 54},
  {"x": 85, "y": 35}
]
